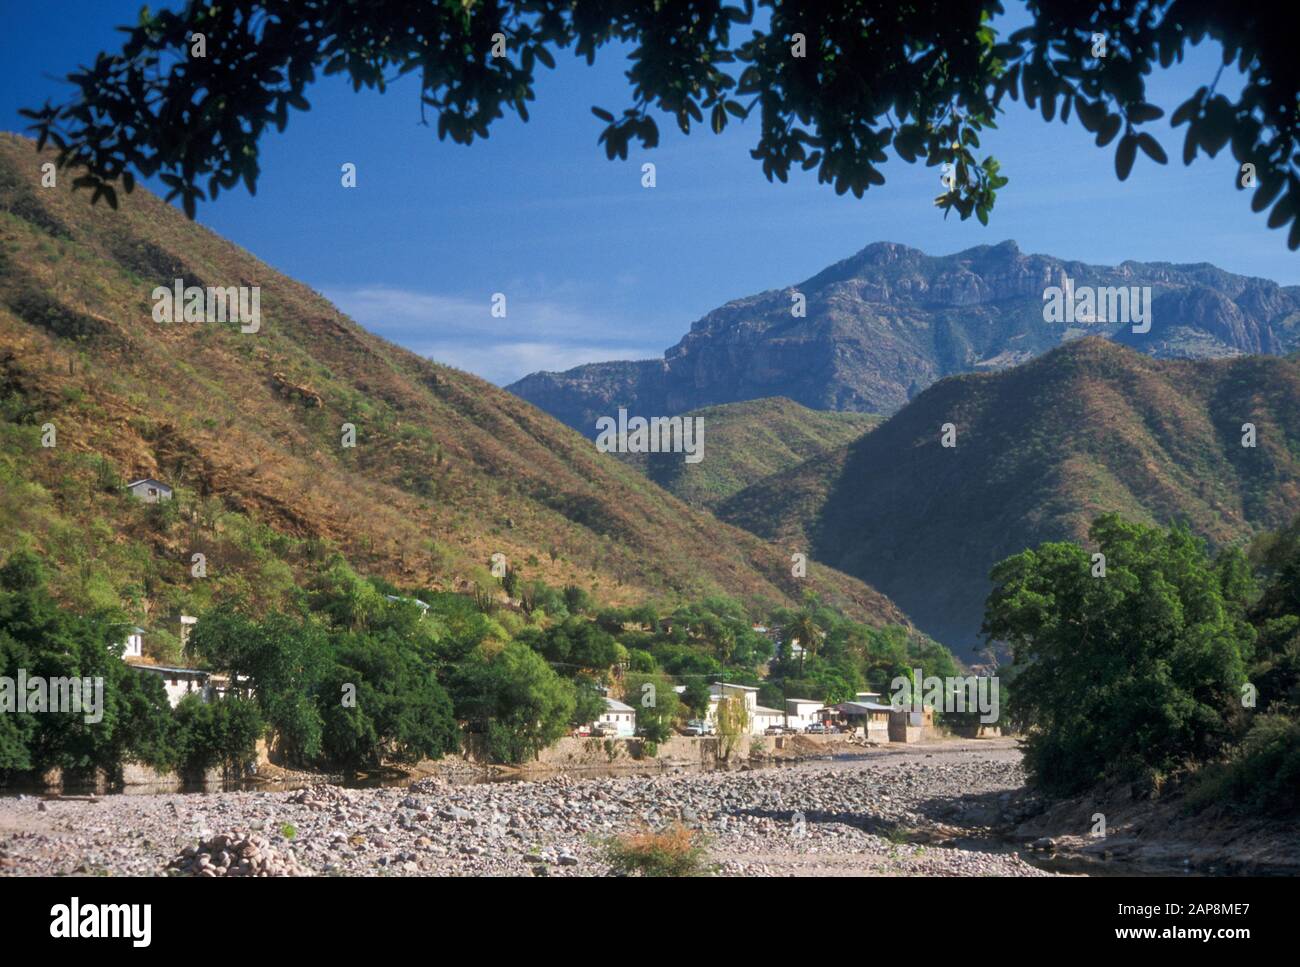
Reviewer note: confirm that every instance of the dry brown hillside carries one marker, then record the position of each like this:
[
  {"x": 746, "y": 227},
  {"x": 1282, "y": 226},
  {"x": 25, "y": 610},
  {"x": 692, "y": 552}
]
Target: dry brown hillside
[{"x": 447, "y": 469}]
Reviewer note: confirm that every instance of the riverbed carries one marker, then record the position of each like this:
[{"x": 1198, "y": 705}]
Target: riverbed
[{"x": 929, "y": 809}]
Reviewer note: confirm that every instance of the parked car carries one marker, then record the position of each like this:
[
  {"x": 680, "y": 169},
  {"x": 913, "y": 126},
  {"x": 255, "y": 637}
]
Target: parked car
[
  {"x": 816, "y": 729},
  {"x": 697, "y": 727},
  {"x": 605, "y": 730},
  {"x": 582, "y": 731},
  {"x": 774, "y": 730}
]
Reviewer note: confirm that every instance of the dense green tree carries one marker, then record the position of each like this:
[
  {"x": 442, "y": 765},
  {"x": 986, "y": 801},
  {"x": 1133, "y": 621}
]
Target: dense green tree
[
  {"x": 517, "y": 698},
  {"x": 1276, "y": 616},
  {"x": 575, "y": 644},
  {"x": 384, "y": 704},
  {"x": 657, "y": 705},
  {"x": 279, "y": 662},
  {"x": 218, "y": 734},
  {"x": 588, "y": 701},
  {"x": 697, "y": 697},
  {"x": 640, "y": 660},
  {"x": 1128, "y": 674},
  {"x": 539, "y": 596},
  {"x": 345, "y": 598},
  {"x": 576, "y": 600},
  {"x": 49, "y": 642},
  {"x": 804, "y": 631}
]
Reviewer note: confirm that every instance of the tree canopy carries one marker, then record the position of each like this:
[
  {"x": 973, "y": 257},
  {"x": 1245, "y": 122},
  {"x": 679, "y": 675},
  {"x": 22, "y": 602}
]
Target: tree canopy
[
  {"x": 1134, "y": 670},
  {"x": 836, "y": 87}
]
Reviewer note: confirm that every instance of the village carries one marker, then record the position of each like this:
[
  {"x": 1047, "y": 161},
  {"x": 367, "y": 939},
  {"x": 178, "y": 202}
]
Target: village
[{"x": 865, "y": 717}]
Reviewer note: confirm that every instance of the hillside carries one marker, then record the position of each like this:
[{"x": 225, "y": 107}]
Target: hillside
[
  {"x": 1041, "y": 450},
  {"x": 447, "y": 470},
  {"x": 886, "y": 323},
  {"x": 745, "y": 442}
]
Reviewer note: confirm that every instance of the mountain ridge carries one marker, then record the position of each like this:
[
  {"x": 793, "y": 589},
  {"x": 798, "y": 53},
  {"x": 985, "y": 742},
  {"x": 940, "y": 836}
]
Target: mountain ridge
[
  {"x": 746, "y": 442},
  {"x": 889, "y": 320},
  {"x": 1041, "y": 450}
]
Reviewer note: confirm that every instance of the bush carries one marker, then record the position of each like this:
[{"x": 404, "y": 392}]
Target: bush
[
  {"x": 523, "y": 703},
  {"x": 675, "y": 851},
  {"x": 400, "y": 714},
  {"x": 1265, "y": 774},
  {"x": 222, "y": 733},
  {"x": 51, "y": 642}
]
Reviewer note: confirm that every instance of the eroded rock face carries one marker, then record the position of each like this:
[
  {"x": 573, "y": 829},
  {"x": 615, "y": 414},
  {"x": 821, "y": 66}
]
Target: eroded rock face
[{"x": 887, "y": 322}]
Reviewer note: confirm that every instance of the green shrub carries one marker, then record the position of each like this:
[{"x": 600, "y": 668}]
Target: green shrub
[
  {"x": 221, "y": 733},
  {"x": 1265, "y": 774}
]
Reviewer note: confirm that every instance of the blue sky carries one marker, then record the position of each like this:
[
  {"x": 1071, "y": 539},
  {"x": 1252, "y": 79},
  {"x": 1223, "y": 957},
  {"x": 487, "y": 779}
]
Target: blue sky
[{"x": 596, "y": 267}]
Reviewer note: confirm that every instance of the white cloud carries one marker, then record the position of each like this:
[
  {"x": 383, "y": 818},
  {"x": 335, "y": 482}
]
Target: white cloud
[{"x": 537, "y": 333}]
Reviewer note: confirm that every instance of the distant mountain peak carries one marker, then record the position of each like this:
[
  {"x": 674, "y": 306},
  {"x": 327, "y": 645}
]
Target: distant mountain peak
[{"x": 889, "y": 320}]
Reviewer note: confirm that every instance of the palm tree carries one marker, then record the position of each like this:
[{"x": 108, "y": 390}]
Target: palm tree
[{"x": 803, "y": 630}]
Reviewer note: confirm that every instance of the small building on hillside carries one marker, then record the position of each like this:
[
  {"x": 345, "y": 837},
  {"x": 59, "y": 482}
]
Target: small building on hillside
[
  {"x": 422, "y": 605},
  {"x": 801, "y": 713},
  {"x": 617, "y": 716},
  {"x": 149, "y": 490},
  {"x": 133, "y": 647},
  {"x": 179, "y": 682}
]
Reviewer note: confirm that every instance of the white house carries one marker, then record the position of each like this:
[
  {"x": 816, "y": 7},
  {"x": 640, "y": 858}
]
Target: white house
[
  {"x": 179, "y": 682},
  {"x": 753, "y": 711},
  {"x": 149, "y": 490},
  {"x": 750, "y": 693},
  {"x": 763, "y": 718},
  {"x": 801, "y": 713},
  {"x": 133, "y": 647},
  {"x": 423, "y": 606},
  {"x": 622, "y": 718}
]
